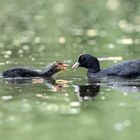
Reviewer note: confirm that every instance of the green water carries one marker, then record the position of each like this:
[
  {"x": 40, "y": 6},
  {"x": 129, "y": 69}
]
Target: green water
[{"x": 36, "y": 33}]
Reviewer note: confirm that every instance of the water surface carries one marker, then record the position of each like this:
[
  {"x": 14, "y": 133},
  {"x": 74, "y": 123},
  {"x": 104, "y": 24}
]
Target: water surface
[{"x": 37, "y": 33}]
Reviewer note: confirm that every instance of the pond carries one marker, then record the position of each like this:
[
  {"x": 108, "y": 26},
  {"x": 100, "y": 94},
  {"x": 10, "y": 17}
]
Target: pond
[{"x": 36, "y": 33}]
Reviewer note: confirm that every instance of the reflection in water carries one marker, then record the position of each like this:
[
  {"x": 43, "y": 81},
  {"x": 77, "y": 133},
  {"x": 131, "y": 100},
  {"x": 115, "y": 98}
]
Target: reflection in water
[
  {"x": 54, "y": 85},
  {"x": 126, "y": 88},
  {"x": 124, "y": 85},
  {"x": 86, "y": 92}
]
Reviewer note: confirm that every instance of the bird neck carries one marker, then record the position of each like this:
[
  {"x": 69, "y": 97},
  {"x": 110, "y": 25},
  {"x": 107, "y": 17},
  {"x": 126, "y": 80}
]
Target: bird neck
[
  {"x": 93, "y": 70},
  {"x": 50, "y": 71},
  {"x": 93, "y": 65}
]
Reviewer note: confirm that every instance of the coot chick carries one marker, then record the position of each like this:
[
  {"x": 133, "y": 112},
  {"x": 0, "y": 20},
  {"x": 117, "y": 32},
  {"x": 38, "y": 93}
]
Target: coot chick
[
  {"x": 126, "y": 69},
  {"x": 27, "y": 72}
]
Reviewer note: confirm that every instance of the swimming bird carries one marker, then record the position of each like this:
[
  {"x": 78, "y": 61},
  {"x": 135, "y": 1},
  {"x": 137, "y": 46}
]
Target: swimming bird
[
  {"x": 28, "y": 72},
  {"x": 126, "y": 69}
]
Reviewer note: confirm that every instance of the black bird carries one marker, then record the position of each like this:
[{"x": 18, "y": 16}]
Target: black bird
[
  {"x": 27, "y": 72},
  {"x": 126, "y": 69}
]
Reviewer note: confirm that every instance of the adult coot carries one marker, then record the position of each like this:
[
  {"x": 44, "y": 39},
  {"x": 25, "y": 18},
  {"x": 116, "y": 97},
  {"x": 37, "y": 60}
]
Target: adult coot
[
  {"x": 27, "y": 72},
  {"x": 126, "y": 69}
]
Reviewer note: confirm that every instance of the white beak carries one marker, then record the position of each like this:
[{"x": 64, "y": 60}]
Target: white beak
[{"x": 75, "y": 65}]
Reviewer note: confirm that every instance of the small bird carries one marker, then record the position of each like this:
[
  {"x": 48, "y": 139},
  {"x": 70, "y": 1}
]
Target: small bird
[
  {"x": 27, "y": 72},
  {"x": 126, "y": 69}
]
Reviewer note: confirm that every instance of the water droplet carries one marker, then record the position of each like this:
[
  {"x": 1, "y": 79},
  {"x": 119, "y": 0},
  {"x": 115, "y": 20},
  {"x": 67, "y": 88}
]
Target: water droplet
[
  {"x": 74, "y": 111},
  {"x": 33, "y": 59},
  {"x": 2, "y": 63},
  {"x": 112, "y": 4},
  {"x": 110, "y": 46},
  {"x": 25, "y": 47},
  {"x": 7, "y": 97},
  {"x": 123, "y": 24},
  {"x": 59, "y": 7},
  {"x": 91, "y": 42},
  {"x": 75, "y": 104},
  {"x": 108, "y": 89},
  {"x": 137, "y": 28},
  {"x": 8, "y": 52},
  {"x": 62, "y": 40},
  {"x": 125, "y": 93},
  {"x": 26, "y": 107},
  {"x": 125, "y": 41},
  {"x": 78, "y": 32},
  {"x": 27, "y": 127},
  {"x": 127, "y": 123},
  {"x": 118, "y": 127},
  {"x": 91, "y": 32},
  {"x": 6, "y": 56},
  {"x": 66, "y": 94},
  {"x": 41, "y": 48},
  {"x": 20, "y": 51},
  {"x": 52, "y": 107},
  {"x": 39, "y": 95},
  {"x": 11, "y": 118},
  {"x": 8, "y": 62},
  {"x": 115, "y": 58},
  {"x": 101, "y": 92},
  {"x": 78, "y": 39},
  {"x": 20, "y": 90},
  {"x": 103, "y": 97},
  {"x": 122, "y": 104},
  {"x": 37, "y": 40}
]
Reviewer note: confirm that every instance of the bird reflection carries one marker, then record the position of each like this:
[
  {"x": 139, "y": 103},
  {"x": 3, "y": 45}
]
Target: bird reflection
[
  {"x": 86, "y": 92},
  {"x": 50, "y": 83},
  {"x": 90, "y": 91}
]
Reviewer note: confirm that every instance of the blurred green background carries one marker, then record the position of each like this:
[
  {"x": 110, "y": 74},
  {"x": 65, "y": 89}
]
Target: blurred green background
[
  {"x": 47, "y": 29},
  {"x": 35, "y": 33}
]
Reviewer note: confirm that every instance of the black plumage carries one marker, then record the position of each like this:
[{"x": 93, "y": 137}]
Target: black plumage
[
  {"x": 27, "y": 72},
  {"x": 126, "y": 69}
]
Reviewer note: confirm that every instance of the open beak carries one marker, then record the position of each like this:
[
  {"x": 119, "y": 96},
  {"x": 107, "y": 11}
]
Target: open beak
[
  {"x": 63, "y": 66},
  {"x": 75, "y": 65}
]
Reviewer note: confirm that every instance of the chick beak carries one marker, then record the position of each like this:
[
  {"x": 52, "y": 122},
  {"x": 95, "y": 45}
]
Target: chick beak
[
  {"x": 63, "y": 66},
  {"x": 75, "y": 65}
]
